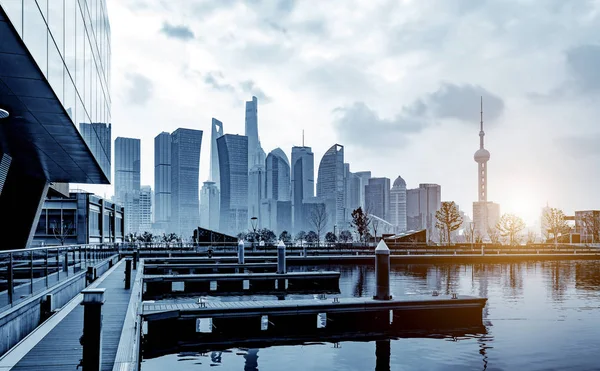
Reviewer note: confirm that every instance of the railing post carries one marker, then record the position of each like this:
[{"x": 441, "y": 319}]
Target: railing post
[
  {"x": 66, "y": 263},
  {"x": 46, "y": 267},
  {"x": 127, "y": 274},
  {"x": 31, "y": 272},
  {"x": 58, "y": 264},
  {"x": 10, "y": 278}
]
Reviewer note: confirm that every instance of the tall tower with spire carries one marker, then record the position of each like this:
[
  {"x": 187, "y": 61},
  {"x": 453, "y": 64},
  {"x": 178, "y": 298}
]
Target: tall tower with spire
[{"x": 485, "y": 213}]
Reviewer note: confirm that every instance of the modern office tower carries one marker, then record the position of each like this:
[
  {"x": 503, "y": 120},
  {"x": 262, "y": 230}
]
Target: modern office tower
[
  {"x": 276, "y": 215},
  {"x": 256, "y": 155},
  {"x": 127, "y": 181},
  {"x": 398, "y": 204},
  {"x": 99, "y": 133},
  {"x": 364, "y": 177},
  {"x": 162, "y": 181},
  {"x": 421, "y": 205},
  {"x": 377, "y": 197},
  {"x": 303, "y": 183},
  {"x": 40, "y": 142},
  {"x": 210, "y": 200},
  {"x": 216, "y": 132},
  {"x": 352, "y": 189},
  {"x": 310, "y": 206},
  {"x": 485, "y": 214},
  {"x": 233, "y": 167},
  {"x": 185, "y": 169},
  {"x": 278, "y": 182},
  {"x": 330, "y": 185},
  {"x": 256, "y": 193},
  {"x": 145, "y": 209}
]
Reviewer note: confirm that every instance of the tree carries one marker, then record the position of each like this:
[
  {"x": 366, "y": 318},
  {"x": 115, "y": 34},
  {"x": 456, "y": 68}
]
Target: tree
[
  {"x": 311, "y": 237},
  {"x": 300, "y": 237},
  {"x": 62, "y": 231},
  {"x": 531, "y": 237},
  {"x": 330, "y": 238},
  {"x": 361, "y": 221},
  {"x": 590, "y": 225},
  {"x": 375, "y": 226},
  {"x": 509, "y": 226},
  {"x": 470, "y": 233},
  {"x": 266, "y": 235},
  {"x": 555, "y": 222},
  {"x": 448, "y": 219},
  {"x": 345, "y": 236},
  {"x": 242, "y": 236},
  {"x": 285, "y": 236},
  {"x": 318, "y": 219},
  {"x": 168, "y": 238},
  {"x": 145, "y": 238},
  {"x": 493, "y": 234}
]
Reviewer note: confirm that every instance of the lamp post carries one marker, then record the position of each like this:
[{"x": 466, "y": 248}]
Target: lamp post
[{"x": 253, "y": 222}]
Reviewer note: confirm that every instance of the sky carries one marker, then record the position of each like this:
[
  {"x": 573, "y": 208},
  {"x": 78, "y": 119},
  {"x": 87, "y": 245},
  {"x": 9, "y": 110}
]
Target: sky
[{"x": 397, "y": 83}]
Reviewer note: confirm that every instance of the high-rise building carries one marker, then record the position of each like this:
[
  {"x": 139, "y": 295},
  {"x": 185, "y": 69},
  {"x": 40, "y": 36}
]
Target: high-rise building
[
  {"x": 256, "y": 155},
  {"x": 352, "y": 189},
  {"x": 256, "y": 193},
  {"x": 303, "y": 183},
  {"x": 421, "y": 206},
  {"x": 330, "y": 185},
  {"x": 485, "y": 214},
  {"x": 162, "y": 181},
  {"x": 43, "y": 100},
  {"x": 185, "y": 169},
  {"x": 398, "y": 204},
  {"x": 145, "y": 209},
  {"x": 278, "y": 180},
  {"x": 216, "y": 132},
  {"x": 127, "y": 181},
  {"x": 377, "y": 197},
  {"x": 364, "y": 177},
  {"x": 210, "y": 200},
  {"x": 233, "y": 167},
  {"x": 100, "y": 133}
]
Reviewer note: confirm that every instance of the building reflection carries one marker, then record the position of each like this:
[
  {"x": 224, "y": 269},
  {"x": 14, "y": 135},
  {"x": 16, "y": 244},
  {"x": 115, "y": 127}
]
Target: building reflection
[
  {"x": 361, "y": 283},
  {"x": 251, "y": 358}
]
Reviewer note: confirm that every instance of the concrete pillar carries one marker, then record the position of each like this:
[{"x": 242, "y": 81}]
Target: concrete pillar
[
  {"x": 127, "y": 274},
  {"x": 281, "y": 257},
  {"x": 382, "y": 272},
  {"x": 93, "y": 299},
  {"x": 241, "y": 252}
]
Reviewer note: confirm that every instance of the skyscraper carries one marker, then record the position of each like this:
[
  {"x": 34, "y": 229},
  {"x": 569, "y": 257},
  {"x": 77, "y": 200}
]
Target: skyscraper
[
  {"x": 233, "y": 167},
  {"x": 256, "y": 192},
  {"x": 485, "y": 214},
  {"x": 127, "y": 180},
  {"x": 330, "y": 185},
  {"x": 398, "y": 204},
  {"x": 364, "y": 177},
  {"x": 377, "y": 197},
  {"x": 210, "y": 200},
  {"x": 276, "y": 208},
  {"x": 256, "y": 155},
  {"x": 352, "y": 189},
  {"x": 185, "y": 168},
  {"x": 145, "y": 209},
  {"x": 216, "y": 132},
  {"x": 421, "y": 206},
  {"x": 303, "y": 183},
  {"x": 162, "y": 180},
  {"x": 100, "y": 133}
]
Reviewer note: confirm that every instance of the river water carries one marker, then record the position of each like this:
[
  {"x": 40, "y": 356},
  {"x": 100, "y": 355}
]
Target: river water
[{"x": 539, "y": 316}]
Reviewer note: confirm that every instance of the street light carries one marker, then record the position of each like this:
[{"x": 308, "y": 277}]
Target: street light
[{"x": 253, "y": 222}]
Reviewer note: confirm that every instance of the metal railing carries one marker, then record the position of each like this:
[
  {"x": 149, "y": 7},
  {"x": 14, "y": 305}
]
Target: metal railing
[{"x": 26, "y": 272}]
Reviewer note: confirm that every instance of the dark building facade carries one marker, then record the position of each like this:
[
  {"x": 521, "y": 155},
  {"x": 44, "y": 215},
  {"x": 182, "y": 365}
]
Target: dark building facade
[
  {"x": 377, "y": 197},
  {"x": 81, "y": 218},
  {"x": 54, "y": 75},
  {"x": 233, "y": 167}
]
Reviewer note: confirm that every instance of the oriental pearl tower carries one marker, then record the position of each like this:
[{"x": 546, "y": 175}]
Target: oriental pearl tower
[{"x": 482, "y": 156}]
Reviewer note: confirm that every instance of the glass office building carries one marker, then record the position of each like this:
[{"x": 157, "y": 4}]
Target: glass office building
[{"x": 55, "y": 75}]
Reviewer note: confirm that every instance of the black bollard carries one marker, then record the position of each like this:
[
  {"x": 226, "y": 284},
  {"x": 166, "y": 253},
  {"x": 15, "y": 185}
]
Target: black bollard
[
  {"x": 382, "y": 272},
  {"x": 127, "y": 274},
  {"x": 135, "y": 259},
  {"x": 93, "y": 299}
]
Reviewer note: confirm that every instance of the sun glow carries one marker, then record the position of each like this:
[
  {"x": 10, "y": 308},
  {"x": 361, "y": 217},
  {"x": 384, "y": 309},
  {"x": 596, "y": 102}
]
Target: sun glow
[{"x": 524, "y": 206}]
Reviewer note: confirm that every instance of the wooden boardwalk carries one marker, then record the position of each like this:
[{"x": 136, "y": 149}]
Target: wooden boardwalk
[{"x": 60, "y": 349}]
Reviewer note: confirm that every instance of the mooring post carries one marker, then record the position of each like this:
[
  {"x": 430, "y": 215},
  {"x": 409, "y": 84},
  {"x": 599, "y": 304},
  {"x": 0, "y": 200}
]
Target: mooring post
[
  {"x": 135, "y": 259},
  {"x": 382, "y": 355},
  {"x": 93, "y": 299},
  {"x": 127, "y": 274},
  {"x": 241, "y": 252},
  {"x": 382, "y": 271},
  {"x": 281, "y": 257}
]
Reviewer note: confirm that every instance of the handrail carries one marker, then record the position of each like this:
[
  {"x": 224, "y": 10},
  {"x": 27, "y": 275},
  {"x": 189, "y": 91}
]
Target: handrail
[{"x": 58, "y": 247}]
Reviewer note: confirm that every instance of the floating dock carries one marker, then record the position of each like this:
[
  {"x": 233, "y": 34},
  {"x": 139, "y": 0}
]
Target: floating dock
[{"x": 199, "y": 268}]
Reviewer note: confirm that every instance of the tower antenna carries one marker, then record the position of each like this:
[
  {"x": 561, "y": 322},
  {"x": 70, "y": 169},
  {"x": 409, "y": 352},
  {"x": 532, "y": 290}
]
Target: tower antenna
[
  {"x": 302, "y": 137},
  {"x": 481, "y": 113}
]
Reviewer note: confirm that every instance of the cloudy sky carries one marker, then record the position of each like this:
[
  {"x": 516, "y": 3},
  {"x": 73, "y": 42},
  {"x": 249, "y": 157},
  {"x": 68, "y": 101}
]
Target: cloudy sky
[{"x": 396, "y": 82}]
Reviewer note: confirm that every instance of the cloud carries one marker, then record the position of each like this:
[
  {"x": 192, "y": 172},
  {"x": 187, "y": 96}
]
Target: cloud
[
  {"x": 580, "y": 146},
  {"x": 582, "y": 63},
  {"x": 250, "y": 87},
  {"x": 140, "y": 88},
  {"x": 213, "y": 79},
  {"x": 177, "y": 31},
  {"x": 450, "y": 101}
]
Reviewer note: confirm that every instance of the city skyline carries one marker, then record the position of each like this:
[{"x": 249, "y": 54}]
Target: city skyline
[{"x": 438, "y": 122}]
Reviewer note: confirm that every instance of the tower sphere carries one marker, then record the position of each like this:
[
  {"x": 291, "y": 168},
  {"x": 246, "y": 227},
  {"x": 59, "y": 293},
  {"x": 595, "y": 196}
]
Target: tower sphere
[{"x": 482, "y": 155}]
